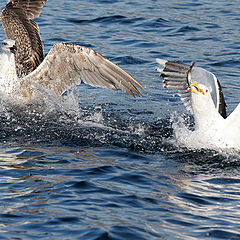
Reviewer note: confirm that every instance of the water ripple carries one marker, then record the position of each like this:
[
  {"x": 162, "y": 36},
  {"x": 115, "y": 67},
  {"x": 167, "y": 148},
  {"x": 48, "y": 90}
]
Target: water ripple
[{"x": 97, "y": 164}]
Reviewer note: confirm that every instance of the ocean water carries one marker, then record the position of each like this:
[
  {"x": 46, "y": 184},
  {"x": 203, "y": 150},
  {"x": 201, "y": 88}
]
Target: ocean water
[{"x": 98, "y": 164}]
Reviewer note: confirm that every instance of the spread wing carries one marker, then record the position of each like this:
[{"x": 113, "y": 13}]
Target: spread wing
[
  {"x": 66, "y": 64},
  {"x": 18, "y": 25},
  {"x": 179, "y": 76}
]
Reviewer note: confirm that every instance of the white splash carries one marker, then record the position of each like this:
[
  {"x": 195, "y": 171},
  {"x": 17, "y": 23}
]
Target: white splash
[{"x": 184, "y": 137}]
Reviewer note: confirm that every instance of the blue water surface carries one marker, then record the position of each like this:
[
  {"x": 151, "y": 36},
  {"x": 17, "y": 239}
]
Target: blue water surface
[{"x": 98, "y": 164}]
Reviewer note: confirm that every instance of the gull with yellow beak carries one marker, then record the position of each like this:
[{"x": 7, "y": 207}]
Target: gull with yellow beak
[{"x": 202, "y": 94}]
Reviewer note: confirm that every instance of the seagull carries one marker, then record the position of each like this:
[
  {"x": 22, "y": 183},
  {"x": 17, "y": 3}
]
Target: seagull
[
  {"x": 65, "y": 65},
  {"x": 201, "y": 92}
]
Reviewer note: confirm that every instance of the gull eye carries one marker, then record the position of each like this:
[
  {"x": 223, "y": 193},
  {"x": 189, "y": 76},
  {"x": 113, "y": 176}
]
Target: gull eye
[{"x": 206, "y": 90}]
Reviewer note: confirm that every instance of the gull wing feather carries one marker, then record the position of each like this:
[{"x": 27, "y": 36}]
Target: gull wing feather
[
  {"x": 179, "y": 76},
  {"x": 175, "y": 76},
  {"x": 66, "y": 64},
  {"x": 32, "y": 8},
  {"x": 18, "y": 25}
]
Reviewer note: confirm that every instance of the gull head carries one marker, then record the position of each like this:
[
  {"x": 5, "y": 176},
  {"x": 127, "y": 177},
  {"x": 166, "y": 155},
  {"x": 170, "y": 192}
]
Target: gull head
[
  {"x": 204, "y": 111},
  {"x": 9, "y": 46},
  {"x": 200, "y": 94}
]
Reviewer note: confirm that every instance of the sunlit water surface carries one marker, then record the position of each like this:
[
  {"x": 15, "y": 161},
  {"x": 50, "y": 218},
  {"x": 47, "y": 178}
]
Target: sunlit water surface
[{"x": 97, "y": 164}]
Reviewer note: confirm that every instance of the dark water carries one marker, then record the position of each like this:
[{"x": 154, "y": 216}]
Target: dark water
[{"x": 97, "y": 164}]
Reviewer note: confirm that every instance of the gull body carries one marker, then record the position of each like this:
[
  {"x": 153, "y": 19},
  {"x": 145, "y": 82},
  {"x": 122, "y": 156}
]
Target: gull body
[
  {"x": 222, "y": 132},
  {"x": 8, "y": 75},
  {"x": 202, "y": 94}
]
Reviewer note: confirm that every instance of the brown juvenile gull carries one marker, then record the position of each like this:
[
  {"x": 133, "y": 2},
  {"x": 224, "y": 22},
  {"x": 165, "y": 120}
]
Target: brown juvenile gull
[{"x": 65, "y": 65}]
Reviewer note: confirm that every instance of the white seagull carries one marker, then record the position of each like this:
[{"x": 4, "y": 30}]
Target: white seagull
[
  {"x": 201, "y": 92},
  {"x": 65, "y": 65}
]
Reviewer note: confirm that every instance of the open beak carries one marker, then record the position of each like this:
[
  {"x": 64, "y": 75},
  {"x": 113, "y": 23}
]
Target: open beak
[
  {"x": 194, "y": 87},
  {"x": 13, "y": 49}
]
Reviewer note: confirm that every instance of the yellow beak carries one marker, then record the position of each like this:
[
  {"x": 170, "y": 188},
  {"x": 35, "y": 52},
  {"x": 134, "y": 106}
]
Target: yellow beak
[{"x": 195, "y": 89}]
